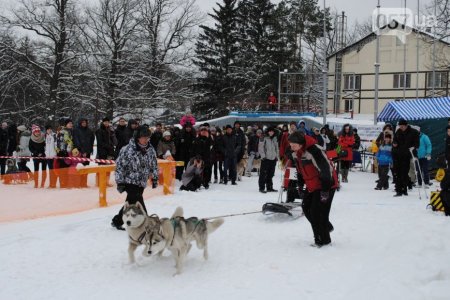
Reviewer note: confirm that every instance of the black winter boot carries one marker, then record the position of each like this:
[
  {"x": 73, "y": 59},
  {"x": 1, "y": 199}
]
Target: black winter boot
[{"x": 117, "y": 222}]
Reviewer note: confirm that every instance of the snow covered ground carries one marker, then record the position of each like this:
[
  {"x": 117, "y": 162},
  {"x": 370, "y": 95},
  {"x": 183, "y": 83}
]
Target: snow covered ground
[{"x": 383, "y": 248}]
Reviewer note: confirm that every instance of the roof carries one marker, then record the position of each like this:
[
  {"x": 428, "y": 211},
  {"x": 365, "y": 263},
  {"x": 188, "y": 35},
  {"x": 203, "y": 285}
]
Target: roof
[
  {"x": 371, "y": 36},
  {"x": 416, "y": 109}
]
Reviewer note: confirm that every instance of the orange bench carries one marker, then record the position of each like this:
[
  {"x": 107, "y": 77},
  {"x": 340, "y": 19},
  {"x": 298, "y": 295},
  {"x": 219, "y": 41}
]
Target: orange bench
[{"x": 167, "y": 168}]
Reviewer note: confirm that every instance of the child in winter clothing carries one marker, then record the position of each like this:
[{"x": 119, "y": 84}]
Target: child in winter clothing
[
  {"x": 166, "y": 147},
  {"x": 384, "y": 156},
  {"x": 445, "y": 183},
  {"x": 37, "y": 149}
]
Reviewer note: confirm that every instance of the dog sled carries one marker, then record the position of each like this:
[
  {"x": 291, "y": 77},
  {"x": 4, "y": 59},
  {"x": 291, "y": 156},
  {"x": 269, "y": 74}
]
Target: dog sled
[{"x": 289, "y": 185}]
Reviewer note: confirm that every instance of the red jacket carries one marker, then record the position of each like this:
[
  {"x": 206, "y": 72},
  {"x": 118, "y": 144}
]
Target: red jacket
[
  {"x": 346, "y": 142},
  {"x": 316, "y": 170},
  {"x": 272, "y": 100}
]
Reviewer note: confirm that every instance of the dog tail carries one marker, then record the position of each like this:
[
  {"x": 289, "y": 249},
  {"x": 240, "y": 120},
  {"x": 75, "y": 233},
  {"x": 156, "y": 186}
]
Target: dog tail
[
  {"x": 178, "y": 212},
  {"x": 212, "y": 226}
]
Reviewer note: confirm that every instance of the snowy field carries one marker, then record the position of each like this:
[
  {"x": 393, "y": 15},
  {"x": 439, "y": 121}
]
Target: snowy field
[{"x": 383, "y": 248}]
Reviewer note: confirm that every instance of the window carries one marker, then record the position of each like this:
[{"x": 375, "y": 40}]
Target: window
[
  {"x": 440, "y": 79},
  {"x": 399, "y": 81},
  {"x": 352, "y": 81}
]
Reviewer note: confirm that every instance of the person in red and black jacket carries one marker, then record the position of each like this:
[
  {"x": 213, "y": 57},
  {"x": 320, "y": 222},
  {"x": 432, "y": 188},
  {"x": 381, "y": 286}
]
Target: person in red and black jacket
[
  {"x": 346, "y": 141},
  {"x": 317, "y": 173},
  {"x": 272, "y": 102}
]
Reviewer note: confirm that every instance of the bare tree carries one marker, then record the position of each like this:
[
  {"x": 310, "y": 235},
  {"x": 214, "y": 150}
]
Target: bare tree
[
  {"x": 111, "y": 28},
  {"x": 51, "y": 24}
]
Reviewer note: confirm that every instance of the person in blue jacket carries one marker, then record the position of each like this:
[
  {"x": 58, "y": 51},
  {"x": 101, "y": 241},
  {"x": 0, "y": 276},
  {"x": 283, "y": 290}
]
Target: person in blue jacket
[
  {"x": 384, "y": 157},
  {"x": 424, "y": 154}
]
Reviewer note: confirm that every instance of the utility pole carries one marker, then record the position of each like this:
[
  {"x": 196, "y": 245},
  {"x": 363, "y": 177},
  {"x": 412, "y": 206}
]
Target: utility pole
[
  {"x": 377, "y": 67},
  {"x": 324, "y": 67}
]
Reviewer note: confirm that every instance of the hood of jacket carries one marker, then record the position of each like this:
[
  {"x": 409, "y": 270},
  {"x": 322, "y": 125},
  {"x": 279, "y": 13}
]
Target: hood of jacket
[
  {"x": 79, "y": 124},
  {"x": 38, "y": 139}
]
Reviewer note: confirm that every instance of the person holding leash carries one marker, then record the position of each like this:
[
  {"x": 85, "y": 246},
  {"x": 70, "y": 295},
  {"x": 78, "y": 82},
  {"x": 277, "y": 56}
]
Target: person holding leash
[
  {"x": 318, "y": 174},
  {"x": 135, "y": 164}
]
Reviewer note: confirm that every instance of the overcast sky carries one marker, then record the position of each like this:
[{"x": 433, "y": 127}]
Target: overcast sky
[
  {"x": 359, "y": 10},
  {"x": 354, "y": 9}
]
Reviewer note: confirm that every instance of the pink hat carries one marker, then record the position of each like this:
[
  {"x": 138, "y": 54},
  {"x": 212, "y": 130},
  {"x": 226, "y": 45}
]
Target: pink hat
[{"x": 35, "y": 128}]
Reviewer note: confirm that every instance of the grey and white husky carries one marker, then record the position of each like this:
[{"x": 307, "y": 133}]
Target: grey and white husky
[
  {"x": 177, "y": 233},
  {"x": 139, "y": 227},
  {"x": 157, "y": 234}
]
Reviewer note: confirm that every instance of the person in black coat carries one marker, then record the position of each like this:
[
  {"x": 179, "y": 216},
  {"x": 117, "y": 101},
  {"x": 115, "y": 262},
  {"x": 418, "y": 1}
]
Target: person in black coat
[
  {"x": 231, "y": 148},
  {"x": 201, "y": 147},
  {"x": 37, "y": 149},
  {"x": 130, "y": 132},
  {"x": 121, "y": 135},
  {"x": 240, "y": 135},
  {"x": 3, "y": 147},
  {"x": 406, "y": 140},
  {"x": 106, "y": 140},
  {"x": 12, "y": 138},
  {"x": 156, "y": 136},
  {"x": 357, "y": 143},
  {"x": 216, "y": 154},
  {"x": 83, "y": 140},
  {"x": 447, "y": 145},
  {"x": 186, "y": 139},
  {"x": 445, "y": 183},
  {"x": 176, "y": 138}
]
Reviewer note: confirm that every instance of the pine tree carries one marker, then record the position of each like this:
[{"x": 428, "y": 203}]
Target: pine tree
[
  {"x": 216, "y": 51},
  {"x": 257, "y": 67}
]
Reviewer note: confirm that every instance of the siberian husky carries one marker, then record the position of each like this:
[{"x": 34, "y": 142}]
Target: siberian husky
[
  {"x": 177, "y": 233},
  {"x": 139, "y": 227}
]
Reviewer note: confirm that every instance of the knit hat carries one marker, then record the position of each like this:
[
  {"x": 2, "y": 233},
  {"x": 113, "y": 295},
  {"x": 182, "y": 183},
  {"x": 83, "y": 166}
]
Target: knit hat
[
  {"x": 142, "y": 132},
  {"x": 402, "y": 122},
  {"x": 259, "y": 131},
  {"x": 228, "y": 126},
  {"x": 297, "y": 137},
  {"x": 35, "y": 128},
  {"x": 21, "y": 128},
  {"x": 106, "y": 119},
  {"x": 67, "y": 121},
  {"x": 237, "y": 122},
  {"x": 271, "y": 128},
  {"x": 203, "y": 128},
  {"x": 166, "y": 133}
]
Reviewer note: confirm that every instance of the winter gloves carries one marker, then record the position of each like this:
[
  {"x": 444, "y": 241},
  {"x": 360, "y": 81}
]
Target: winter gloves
[
  {"x": 324, "y": 195},
  {"x": 154, "y": 183}
]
